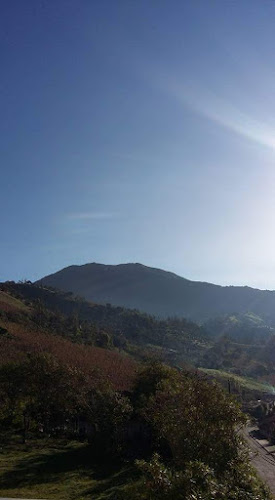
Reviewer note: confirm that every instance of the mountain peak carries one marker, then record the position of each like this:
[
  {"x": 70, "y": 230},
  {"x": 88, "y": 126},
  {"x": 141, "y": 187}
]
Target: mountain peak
[{"x": 159, "y": 292}]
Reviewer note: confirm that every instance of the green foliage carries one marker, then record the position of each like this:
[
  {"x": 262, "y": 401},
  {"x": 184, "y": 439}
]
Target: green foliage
[
  {"x": 108, "y": 326},
  {"x": 108, "y": 412},
  {"x": 243, "y": 359},
  {"x": 190, "y": 422},
  {"x": 38, "y": 394},
  {"x": 197, "y": 481},
  {"x": 149, "y": 379},
  {"x": 199, "y": 423},
  {"x": 242, "y": 387},
  {"x": 242, "y": 328},
  {"x": 197, "y": 420}
]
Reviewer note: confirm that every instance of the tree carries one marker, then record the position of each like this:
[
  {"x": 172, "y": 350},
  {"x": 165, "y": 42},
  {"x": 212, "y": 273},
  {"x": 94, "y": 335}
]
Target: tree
[
  {"x": 39, "y": 394},
  {"x": 199, "y": 423}
]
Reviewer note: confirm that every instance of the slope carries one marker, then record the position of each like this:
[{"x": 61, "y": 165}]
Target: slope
[
  {"x": 81, "y": 321},
  {"x": 160, "y": 293},
  {"x": 21, "y": 336}
]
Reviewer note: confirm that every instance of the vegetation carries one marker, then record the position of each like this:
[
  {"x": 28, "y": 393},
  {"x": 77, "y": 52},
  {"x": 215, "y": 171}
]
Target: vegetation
[
  {"x": 241, "y": 344},
  {"x": 198, "y": 424},
  {"x": 101, "y": 424},
  {"x": 245, "y": 328},
  {"x": 187, "y": 427},
  {"x": 242, "y": 387},
  {"x": 62, "y": 470},
  {"x": 106, "y": 326},
  {"x": 161, "y": 293},
  {"x": 249, "y": 360}
]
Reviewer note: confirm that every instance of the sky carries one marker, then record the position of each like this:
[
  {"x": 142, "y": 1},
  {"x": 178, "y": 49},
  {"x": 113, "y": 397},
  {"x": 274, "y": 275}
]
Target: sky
[{"x": 138, "y": 131}]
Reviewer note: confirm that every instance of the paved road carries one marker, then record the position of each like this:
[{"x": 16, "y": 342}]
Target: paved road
[{"x": 262, "y": 457}]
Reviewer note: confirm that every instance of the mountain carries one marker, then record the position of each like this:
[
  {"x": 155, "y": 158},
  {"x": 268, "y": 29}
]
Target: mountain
[{"x": 160, "y": 293}]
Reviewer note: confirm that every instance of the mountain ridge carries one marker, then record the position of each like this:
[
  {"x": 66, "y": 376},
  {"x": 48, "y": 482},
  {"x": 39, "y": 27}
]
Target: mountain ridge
[
  {"x": 159, "y": 292},
  {"x": 138, "y": 264}
]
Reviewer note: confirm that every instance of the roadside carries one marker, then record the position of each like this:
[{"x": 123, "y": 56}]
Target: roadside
[{"x": 262, "y": 456}]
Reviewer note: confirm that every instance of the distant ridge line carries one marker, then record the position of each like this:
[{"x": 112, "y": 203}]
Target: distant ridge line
[{"x": 159, "y": 292}]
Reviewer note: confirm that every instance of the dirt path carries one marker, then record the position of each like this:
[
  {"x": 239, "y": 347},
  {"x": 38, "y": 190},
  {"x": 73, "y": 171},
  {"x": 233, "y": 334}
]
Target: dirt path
[{"x": 262, "y": 456}]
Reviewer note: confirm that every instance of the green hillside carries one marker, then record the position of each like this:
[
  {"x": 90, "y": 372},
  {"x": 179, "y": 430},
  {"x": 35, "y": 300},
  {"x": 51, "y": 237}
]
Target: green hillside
[
  {"x": 245, "y": 328},
  {"x": 80, "y": 417},
  {"x": 241, "y": 344},
  {"x": 174, "y": 340},
  {"x": 242, "y": 386}
]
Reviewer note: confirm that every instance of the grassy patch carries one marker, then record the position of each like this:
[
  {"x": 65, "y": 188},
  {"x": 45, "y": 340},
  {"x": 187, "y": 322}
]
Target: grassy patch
[
  {"x": 63, "y": 471},
  {"x": 8, "y": 302},
  {"x": 242, "y": 382}
]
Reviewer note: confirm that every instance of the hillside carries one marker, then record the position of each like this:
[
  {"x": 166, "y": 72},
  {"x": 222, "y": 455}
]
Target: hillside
[
  {"x": 241, "y": 344},
  {"x": 76, "y": 405},
  {"x": 244, "y": 328},
  {"x": 22, "y": 335},
  {"x": 160, "y": 293},
  {"x": 139, "y": 334}
]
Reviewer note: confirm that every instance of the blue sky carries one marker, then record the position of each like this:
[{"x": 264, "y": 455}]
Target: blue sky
[{"x": 138, "y": 131}]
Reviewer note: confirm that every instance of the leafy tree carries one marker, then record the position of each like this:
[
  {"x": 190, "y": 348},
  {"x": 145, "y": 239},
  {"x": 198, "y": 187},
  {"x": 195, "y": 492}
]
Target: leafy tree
[
  {"x": 149, "y": 380},
  {"x": 108, "y": 412},
  {"x": 196, "y": 481},
  {"x": 199, "y": 423}
]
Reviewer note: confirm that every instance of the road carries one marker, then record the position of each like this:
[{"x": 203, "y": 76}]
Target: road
[{"x": 262, "y": 456}]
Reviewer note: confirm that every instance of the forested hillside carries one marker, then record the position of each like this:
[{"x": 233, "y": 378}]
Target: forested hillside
[
  {"x": 108, "y": 326},
  {"x": 73, "y": 394},
  {"x": 241, "y": 344},
  {"x": 244, "y": 328},
  {"x": 161, "y": 293},
  {"x": 23, "y": 333}
]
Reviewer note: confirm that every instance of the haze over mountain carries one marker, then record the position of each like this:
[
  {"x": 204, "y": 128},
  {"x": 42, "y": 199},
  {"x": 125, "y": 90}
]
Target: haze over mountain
[{"x": 159, "y": 292}]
